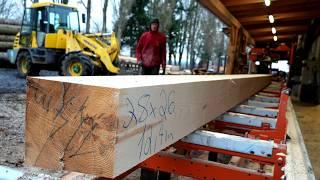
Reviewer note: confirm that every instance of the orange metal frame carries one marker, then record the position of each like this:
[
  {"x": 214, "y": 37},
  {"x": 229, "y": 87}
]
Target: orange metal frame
[
  {"x": 278, "y": 134},
  {"x": 264, "y": 132},
  {"x": 202, "y": 169}
]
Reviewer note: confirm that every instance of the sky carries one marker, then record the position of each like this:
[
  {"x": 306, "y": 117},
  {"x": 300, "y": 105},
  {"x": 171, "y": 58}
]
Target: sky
[
  {"x": 96, "y": 12},
  {"x": 282, "y": 65}
]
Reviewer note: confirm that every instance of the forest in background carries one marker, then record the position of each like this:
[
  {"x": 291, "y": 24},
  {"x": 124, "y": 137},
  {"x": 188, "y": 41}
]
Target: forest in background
[{"x": 194, "y": 35}]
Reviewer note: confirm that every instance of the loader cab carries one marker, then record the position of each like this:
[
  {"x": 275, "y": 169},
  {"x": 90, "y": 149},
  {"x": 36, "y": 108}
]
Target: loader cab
[{"x": 46, "y": 18}]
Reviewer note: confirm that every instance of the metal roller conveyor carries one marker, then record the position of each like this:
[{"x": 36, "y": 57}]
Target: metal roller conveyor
[
  {"x": 231, "y": 143},
  {"x": 248, "y": 120}
]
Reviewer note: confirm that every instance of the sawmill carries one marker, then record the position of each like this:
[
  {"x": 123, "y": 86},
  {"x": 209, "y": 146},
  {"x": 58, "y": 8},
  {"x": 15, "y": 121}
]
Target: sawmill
[{"x": 224, "y": 89}]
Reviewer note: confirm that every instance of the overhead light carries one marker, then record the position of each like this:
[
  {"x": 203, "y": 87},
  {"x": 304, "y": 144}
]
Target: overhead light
[
  {"x": 275, "y": 38},
  {"x": 271, "y": 19},
  {"x": 274, "y": 31},
  {"x": 267, "y": 2},
  {"x": 257, "y": 63}
]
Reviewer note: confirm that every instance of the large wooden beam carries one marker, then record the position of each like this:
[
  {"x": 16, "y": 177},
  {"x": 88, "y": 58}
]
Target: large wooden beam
[{"x": 107, "y": 125}]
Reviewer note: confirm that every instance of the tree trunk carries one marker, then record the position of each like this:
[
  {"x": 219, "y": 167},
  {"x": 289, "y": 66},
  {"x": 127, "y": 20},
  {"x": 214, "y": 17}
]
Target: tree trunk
[
  {"x": 192, "y": 46},
  {"x": 6, "y": 45},
  {"x": 10, "y": 22},
  {"x": 6, "y": 38},
  {"x": 183, "y": 40},
  {"x": 104, "y": 11},
  {"x": 124, "y": 10},
  {"x": 3, "y": 55},
  {"x": 9, "y": 29},
  {"x": 121, "y": 20},
  {"x": 88, "y": 16},
  {"x": 189, "y": 39}
]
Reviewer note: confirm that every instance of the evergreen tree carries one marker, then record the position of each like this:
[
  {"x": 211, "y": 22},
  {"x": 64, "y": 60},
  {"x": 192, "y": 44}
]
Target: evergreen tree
[{"x": 137, "y": 23}]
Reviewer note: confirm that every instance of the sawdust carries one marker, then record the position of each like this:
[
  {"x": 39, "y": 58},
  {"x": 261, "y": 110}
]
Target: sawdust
[{"x": 309, "y": 121}]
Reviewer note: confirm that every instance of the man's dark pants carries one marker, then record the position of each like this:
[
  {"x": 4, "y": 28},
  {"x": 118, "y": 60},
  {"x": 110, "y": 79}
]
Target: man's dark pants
[{"x": 150, "y": 70}]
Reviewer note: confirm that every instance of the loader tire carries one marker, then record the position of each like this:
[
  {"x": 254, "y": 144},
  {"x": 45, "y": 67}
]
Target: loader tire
[
  {"x": 25, "y": 66},
  {"x": 77, "y": 65}
]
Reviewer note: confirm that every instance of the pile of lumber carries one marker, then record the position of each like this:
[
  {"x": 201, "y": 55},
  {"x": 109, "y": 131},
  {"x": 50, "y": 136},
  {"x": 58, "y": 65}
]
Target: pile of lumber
[
  {"x": 107, "y": 125},
  {"x": 8, "y": 30}
]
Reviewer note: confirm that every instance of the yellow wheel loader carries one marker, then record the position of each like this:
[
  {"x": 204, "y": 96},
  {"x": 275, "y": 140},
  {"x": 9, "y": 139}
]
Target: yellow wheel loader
[{"x": 50, "y": 39}]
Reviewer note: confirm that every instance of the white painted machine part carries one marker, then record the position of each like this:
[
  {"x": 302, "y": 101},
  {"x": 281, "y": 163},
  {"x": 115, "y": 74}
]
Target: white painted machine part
[
  {"x": 273, "y": 113},
  {"x": 231, "y": 143},
  {"x": 267, "y": 94},
  {"x": 247, "y": 119},
  {"x": 265, "y": 99},
  {"x": 262, "y": 104}
]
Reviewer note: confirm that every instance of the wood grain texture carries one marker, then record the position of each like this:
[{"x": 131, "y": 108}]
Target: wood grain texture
[
  {"x": 9, "y": 29},
  {"x": 10, "y": 22},
  {"x": 107, "y": 125},
  {"x": 7, "y": 38}
]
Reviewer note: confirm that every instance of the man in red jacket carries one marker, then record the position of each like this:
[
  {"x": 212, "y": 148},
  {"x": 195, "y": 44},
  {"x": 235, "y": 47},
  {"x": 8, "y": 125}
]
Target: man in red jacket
[{"x": 151, "y": 50}]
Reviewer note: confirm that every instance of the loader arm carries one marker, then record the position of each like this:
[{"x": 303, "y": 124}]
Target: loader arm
[{"x": 107, "y": 54}]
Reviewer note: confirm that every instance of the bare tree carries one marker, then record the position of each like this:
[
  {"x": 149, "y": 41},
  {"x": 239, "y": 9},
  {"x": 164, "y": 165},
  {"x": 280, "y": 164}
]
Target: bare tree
[
  {"x": 7, "y": 9},
  {"x": 96, "y": 26},
  {"x": 122, "y": 11},
  {"x": 104, "y": 11},
  {"x": 88, "y": 8},
  {"x": 164, "y": 11},
  {"x": 88, "y": 16}
]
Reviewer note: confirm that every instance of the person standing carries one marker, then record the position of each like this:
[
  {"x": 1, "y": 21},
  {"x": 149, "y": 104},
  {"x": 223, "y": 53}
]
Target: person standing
[
  {"x": 151, "y": 50},
  {"x": 151, "y": 53}
]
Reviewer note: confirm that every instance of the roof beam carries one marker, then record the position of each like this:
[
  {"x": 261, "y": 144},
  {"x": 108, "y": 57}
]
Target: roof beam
[
  {"x": 280, "y": 38},
  {"x": 249, "y": 4},
  {"x": 240, "y": 3},
  {"x": 281, "y": 16},
  {"x": 280, "y": 30},
  {"x": 262, "y": 10},
  {"x": 279, "y": 22}
]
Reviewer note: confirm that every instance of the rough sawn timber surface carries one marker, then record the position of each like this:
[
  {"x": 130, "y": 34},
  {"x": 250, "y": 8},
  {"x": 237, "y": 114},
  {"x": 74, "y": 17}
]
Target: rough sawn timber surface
[{"x": 107, "y": 125}]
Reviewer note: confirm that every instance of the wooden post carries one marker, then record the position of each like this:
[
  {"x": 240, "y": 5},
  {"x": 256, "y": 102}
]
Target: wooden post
[
  {"x": 232, "y": 49},
  {"x": 107, "y": 125}
]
